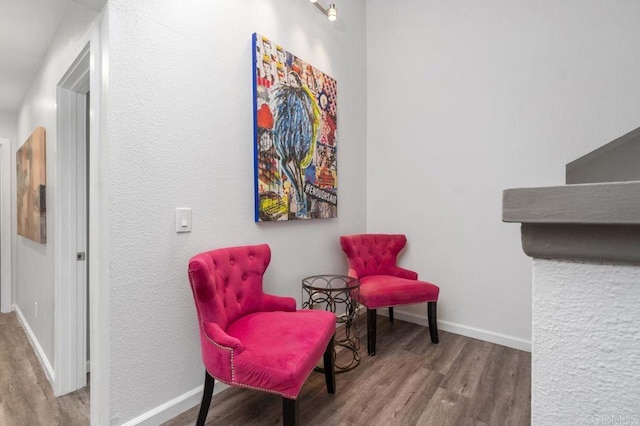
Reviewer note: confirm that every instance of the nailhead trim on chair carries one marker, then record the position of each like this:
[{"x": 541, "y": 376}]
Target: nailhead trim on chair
[
  {"x": 406, "y": 304},
  {"x": 242, "y": 385},
  {"x": 221, "y": 347},
  {"x": 233, "y": 370}
]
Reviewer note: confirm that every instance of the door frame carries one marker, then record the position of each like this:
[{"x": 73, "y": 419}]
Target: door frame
[
  {"x": 70, "y": 357},
  {"x": 6, "y": 210},
  {"x": 70, "y": 295}
]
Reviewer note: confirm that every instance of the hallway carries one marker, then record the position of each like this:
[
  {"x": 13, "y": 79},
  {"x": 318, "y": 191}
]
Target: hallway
[{"x": 26, "y": 397}]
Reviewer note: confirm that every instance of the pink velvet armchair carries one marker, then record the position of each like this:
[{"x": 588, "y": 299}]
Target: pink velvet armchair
[
  {"x": 252, "y": 339},
  {"x": 372, "y": 260}
]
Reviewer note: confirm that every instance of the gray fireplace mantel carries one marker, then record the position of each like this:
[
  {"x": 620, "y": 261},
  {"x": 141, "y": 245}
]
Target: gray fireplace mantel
[{"x": 592, "y": 222}]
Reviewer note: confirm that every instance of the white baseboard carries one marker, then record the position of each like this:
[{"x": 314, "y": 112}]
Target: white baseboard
[
  {"x": 35, "y": 344},
  {"x": 172, "y": 408},
  {"x": 464, "y": 330}
]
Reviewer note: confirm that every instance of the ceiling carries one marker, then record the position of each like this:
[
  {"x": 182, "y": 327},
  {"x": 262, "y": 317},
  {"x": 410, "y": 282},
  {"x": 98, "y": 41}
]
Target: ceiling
[{"x": 26, "y": 30}]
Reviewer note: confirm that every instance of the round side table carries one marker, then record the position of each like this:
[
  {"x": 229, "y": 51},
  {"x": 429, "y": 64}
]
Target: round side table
[{"x": 329, "y": 292}]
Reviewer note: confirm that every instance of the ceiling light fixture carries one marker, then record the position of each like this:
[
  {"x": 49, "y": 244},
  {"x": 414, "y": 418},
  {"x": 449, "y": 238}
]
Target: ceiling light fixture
[{"x": 331, "y": 13}]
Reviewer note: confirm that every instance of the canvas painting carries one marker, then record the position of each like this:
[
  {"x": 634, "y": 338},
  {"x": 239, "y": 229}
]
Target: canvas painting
[
  {"x": 295, "y": 136},
  {"x": 31, "y": 187}
]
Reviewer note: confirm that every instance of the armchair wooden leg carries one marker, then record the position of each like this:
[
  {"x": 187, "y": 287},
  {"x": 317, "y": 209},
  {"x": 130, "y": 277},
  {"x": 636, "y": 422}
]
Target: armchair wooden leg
[
  {"x": 329, "y": 366},
  {"x": 371, "y": 331},
  {"x": 206, "y": 399},
  {"x": 433, "y": 324},
  {"x": 391, "y": 314},
  {"x": 290, "y": 411}
]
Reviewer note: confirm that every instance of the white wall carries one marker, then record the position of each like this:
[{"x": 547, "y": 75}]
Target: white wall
[
  {"x": 585, "y": 344},
  {"x": 181, "y": 136},
  {"x": 34, "y": 263},
  {"x": 9, "y": 131},
  {"x": 8, "y": 126},
  {"x": 467, "y": 98}
]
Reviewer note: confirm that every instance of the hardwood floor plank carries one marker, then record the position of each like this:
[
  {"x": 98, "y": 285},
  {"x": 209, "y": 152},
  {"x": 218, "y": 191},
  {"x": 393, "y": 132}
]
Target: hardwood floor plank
[
  {"x": 406, "y": 406},
  {"x": 26, "y": 397},
  {"x": 465, "y": 371},
  {"x": 384, "y": 386},
  {"x": 522, "y": 400},
  {"x": 438, "y": 357},
  {"x": 497, "y": 384},
  {"x": 447, "y": 408}
]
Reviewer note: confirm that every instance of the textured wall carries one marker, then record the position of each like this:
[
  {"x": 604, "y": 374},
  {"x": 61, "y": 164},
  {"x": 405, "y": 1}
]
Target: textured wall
[
  {"x": 467, "y": 98},
  {"x": 181, "y": 136},
  {"x": 34, "y": 263},
  {"x": 586, "y": 344}
]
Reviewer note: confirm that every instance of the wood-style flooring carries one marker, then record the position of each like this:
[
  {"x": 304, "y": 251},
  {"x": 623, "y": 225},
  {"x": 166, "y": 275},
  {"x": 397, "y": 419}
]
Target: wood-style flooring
[
  {"x": 410, "y": 381},
  {"x": 26, "y": 397}
]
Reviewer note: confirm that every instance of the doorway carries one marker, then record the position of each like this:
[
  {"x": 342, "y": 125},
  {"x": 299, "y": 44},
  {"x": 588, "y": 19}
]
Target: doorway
[
  {"x": 71, "y": 248},
  {"x": 87, "y": 73},
  {"x": 5, "y": 226}
]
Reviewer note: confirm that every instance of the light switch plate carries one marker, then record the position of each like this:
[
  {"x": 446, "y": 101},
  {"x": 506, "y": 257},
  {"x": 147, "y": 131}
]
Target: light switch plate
[{"x": 183, "y": 219}]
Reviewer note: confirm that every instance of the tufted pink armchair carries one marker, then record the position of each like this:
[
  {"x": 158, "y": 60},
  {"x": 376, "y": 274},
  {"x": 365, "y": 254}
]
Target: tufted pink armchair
[
  {"x": 383, "y": 284},
  {"x": 252, "y": 339}
]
